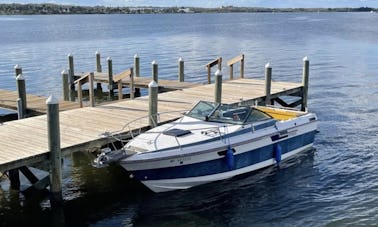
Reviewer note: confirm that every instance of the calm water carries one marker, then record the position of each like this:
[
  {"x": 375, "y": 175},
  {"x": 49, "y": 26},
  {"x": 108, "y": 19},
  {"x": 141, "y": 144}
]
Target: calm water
[{"x": 336, "y": 184}]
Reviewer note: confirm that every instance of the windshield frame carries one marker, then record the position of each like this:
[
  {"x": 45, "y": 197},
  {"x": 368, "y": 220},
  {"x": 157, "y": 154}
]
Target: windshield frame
[{"x": 225, "y": 113}]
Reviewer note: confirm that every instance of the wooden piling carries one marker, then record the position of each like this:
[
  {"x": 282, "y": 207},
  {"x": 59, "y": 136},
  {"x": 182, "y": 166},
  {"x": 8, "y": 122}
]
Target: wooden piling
[
  {"x": 22, "y": 93},
  {"x": 110, "y": 77},
  {"x": 98, "y": 62},
  {"x": 98, "y": 68},
  {"x": 152, "y": 103},
  {"x": 91, "y": 89},
  {"x": 208, "y": 75},
  {"x": 181, "y": 69},
  {"x": 14, "y": 174},
  {"x": 305, "y": 78},
  {"x": 231, "y": 68},
  {"x": 120, "y": 86},
  {"x": 242, "y": 66},
  {"x": 218, "y": 86},
  {"x": 66, "y": 91},
  {"x": 268, "y": 83},
  {"x": 137, "y": 72},
  {"x": 55, "y": 157},
  {"x": 17, "y": 70},
  {"x": 71, "y": 69},
  {"x": 132, "y": 91},
  {"x": 154, "y": 71},
  {"x": 136, "y": 66},
  {"x": 20, "y": 111},
  {"x": 80, "y": 95}
]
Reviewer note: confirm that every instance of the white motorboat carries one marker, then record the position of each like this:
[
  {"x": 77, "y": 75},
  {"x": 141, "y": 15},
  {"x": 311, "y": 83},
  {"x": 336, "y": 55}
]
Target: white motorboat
[{"x": 212, "y": 142}]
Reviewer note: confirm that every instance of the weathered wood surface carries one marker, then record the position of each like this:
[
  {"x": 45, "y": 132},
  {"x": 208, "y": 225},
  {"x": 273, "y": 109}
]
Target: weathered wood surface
[
  {"x": 24, "y": 142},
  {"x": 141, "y": 82},
  {"x": 8, "y": 99}
]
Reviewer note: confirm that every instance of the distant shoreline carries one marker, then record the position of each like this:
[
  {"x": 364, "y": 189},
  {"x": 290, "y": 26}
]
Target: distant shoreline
[{"x": 49, "y": 9}]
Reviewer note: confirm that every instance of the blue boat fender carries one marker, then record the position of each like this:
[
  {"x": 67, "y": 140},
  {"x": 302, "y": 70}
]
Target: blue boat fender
[
  {"x": 277, "y": 153},
  {"x": 230, "y": 158}
]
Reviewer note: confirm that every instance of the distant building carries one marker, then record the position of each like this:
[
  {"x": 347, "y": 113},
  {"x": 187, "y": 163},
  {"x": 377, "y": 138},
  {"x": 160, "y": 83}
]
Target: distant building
[{"x": 185, "y": 10}]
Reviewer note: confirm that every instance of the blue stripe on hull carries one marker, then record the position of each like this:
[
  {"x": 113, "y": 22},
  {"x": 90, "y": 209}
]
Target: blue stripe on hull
[{"x": 220, "y": 165}]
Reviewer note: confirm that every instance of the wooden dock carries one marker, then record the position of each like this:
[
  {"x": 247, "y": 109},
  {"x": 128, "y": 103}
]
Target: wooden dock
[
  {"x": 45, "y": 138},
  {"x": 24, "y": 142},
  {"x": 36, "y": 104}
]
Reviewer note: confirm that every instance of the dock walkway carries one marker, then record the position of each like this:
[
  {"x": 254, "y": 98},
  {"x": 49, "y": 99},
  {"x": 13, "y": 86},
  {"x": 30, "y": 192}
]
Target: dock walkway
[
  {"x": 24, "y": 142},
  {"x": 141, "y": 82},
  {"x": 36, "y": 104}
]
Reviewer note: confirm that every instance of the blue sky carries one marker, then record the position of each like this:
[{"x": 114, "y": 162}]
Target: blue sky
[{"x": 214, "y": 3}]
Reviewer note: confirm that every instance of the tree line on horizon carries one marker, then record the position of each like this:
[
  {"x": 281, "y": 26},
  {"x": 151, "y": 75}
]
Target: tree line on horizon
[{"x": 47, "y": 8}]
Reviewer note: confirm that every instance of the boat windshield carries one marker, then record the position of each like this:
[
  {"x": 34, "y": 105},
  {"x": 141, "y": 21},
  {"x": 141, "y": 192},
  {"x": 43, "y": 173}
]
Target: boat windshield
[{"x": 223, "y": 113}]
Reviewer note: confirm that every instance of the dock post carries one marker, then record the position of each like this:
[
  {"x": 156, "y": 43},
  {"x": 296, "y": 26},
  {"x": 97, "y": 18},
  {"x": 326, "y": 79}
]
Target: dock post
[
  {"x": 17, "y": 70},
  {"x": 305, "y": 78},
  {"x": 154, "y": 71},
  {"x": 20, "y": 110},
  {"x": 14, "y": 174},
  {"x": 152, "y": 103},
  {"x": 137, "y": 72},
  {"x": 231, "y": 67},
  {"x": 53, "y": 130},
  {"x": 71, "y": 76},
  {"x": 181, "y": 69},
  {"x": 218, "y": 86},
  {"x": 71, "y": 69},
  {"x": 91, "y": 89},
  {"x": 120, "y": 86},
  {"x": 65, "y": 85},
  {"x": 208, "y": 74},
  {"x": 132, "y": 92},
  {"x": 136, "y": 65},
  {"x": 98, "y": 62},
  {"x": 80, "y": 95},
  {"x": 98, "y": 68},
  {"x": 268, "y": 83},
  {"x": 110, "y": 77},
  {"x": 22, "y": 92},
  {"x": 242, "y": 67}
]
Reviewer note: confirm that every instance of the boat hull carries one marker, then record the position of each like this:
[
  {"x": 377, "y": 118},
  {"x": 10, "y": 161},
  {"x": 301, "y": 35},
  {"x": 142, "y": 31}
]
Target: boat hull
[{"x": 165, "y": 185}]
